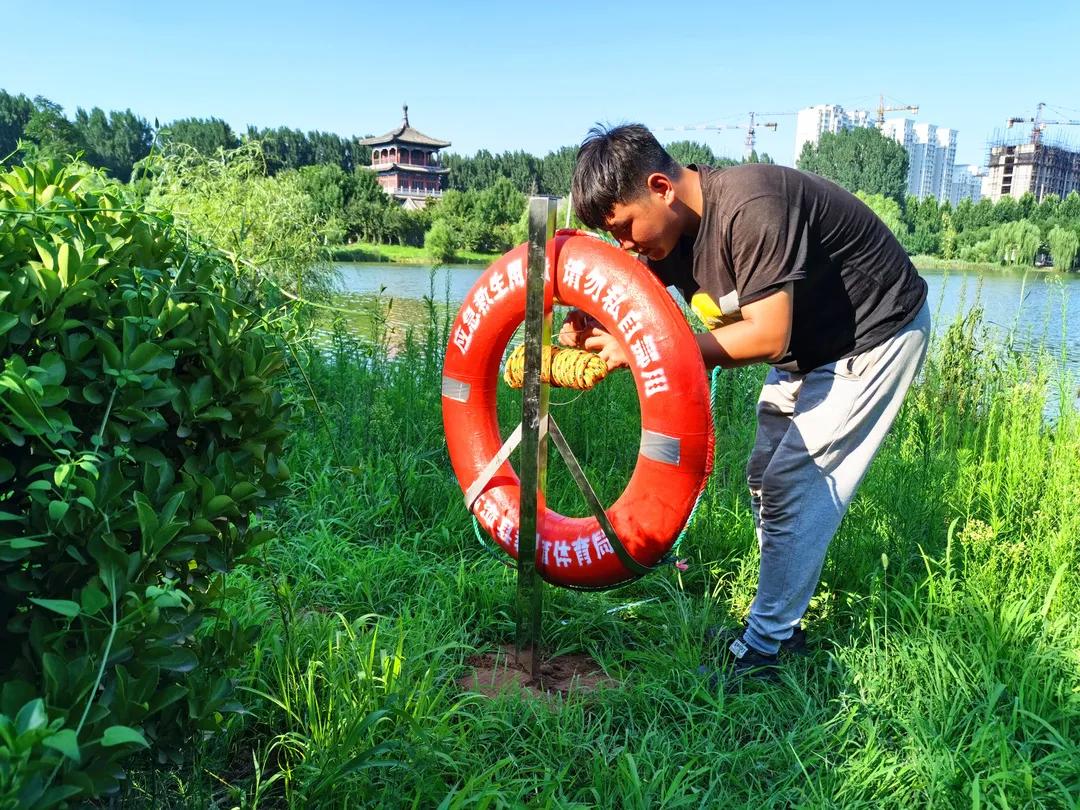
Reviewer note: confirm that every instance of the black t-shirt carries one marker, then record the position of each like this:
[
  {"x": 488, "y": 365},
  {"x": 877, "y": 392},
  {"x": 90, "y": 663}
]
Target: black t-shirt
[{"x": 763, "y": 226}]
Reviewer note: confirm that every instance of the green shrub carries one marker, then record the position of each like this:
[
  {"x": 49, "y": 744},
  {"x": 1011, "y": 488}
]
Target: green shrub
[
  {"x": 441, "y": 242},
  {"x": 139, "y": 431}
]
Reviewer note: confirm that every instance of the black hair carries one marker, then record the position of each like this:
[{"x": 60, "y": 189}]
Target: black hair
[{"x": 613, "y": 165}]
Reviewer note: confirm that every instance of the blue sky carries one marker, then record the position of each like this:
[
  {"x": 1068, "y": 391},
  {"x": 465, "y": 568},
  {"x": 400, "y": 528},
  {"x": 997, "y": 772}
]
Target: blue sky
[{"x": 537, "y": 76}]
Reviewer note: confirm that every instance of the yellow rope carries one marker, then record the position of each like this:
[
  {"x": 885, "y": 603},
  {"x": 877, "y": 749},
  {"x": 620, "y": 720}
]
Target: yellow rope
[{"x": 563, "y": 368}]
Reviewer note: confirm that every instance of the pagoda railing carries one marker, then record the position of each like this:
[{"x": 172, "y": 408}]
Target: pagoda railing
[{"x": 416, "y": 192}]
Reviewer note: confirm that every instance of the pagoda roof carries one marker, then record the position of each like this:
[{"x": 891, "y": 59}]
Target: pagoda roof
[{"x": 405, "y": 134}]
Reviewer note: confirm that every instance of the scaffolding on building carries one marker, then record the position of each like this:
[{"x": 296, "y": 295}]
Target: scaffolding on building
[{"x": 1034, "y": 161}]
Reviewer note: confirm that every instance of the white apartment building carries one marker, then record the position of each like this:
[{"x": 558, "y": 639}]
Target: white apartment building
[
  {"x": 931, "y": 156},
  {"x": 966, "y": 184},
  {"x": 931, "y": 149},
  {"x": 813, "y": 121}
]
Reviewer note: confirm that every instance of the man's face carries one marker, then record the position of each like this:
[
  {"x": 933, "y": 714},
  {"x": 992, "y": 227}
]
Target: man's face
[{"x": 646, "y": 226}]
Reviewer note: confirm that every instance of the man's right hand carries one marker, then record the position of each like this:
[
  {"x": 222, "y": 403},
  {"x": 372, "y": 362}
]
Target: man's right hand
[{"x": 577, "y": 328}]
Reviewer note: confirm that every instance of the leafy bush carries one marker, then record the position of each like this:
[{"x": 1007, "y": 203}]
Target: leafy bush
[
  {"x": 271, "y": 222},
  {"x": 139, "y": 432}
]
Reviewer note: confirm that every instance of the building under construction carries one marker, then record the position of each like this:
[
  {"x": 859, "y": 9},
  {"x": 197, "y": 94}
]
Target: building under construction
[{"x": 1042, "y": 168}]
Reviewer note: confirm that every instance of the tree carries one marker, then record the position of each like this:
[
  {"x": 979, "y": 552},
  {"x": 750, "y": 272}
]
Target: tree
[
  {"x": 206, "y": 135},
  {"x": 15, "y": 112},
  {"x": 948, "y": 236},
  {"x": 1064, "y": 245},
  {"x": 557, "y": 171},
  {"x": 982, "y": 214},
  {"x": 888, "y": 211},
  {"x": 756, "y": 158},
  {"x": 441, "y": 242},
  {"x": 284, "y": 148},
  {"x": 49, "y": 134},
  {"x": 860, "y": 159},
  {"x": 521, "y": 169},
  {"x": 328, "y": 148},
  {"x": 687, "y": 152},
  {"x": 470, "y": 173},
  {"x": 116, "y": 142},
  {"x": 1015, "y": 242},
  {"x": 1047, "y": 210},
  {"x": 365, "y": 212},
  {"x": 1007, "y": 209},
  {"x": 1027, "y": 205},
  {"x": 1070, "y": 206},
  {"x": 497, "y": 209}
]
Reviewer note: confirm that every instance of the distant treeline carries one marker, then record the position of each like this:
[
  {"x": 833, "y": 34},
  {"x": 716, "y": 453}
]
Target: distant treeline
[
  {"x": 484, "y": 202},
  {"x": 117, "y": 140}
]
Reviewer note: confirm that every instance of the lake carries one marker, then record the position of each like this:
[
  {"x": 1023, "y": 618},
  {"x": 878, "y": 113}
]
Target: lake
[{"x": 1042, "y": 308}]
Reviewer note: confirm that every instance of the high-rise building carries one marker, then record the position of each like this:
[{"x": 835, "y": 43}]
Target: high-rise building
[
  {"x": 812, "y": 122},
  {"x": 931, "y": 149},
  {"x": 1040, "y": 168},
  {"x": 966, "y": 184},
  {"x": 931, "y": 155}
]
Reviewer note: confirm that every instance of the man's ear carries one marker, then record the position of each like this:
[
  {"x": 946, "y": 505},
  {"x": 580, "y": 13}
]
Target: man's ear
[{"x": 661, "y": 185}]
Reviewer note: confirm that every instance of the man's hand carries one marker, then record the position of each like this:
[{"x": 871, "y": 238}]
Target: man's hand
[
  {"x": 608, "y": 348},
  {"x": 576, "y": 329}
]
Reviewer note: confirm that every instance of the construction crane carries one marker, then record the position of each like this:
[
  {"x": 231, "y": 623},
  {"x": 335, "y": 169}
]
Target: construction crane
[
  {"x": 1039, "y": 124},
  {"x": 750, "y": 127},
  {"x": 882, "y": 109}
]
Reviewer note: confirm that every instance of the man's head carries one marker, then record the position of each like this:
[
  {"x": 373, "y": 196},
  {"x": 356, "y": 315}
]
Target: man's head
[{"x": 625, "y": 183}]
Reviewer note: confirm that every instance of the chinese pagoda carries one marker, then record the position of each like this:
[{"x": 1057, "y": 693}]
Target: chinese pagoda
[{"x": 406, "y": 163}]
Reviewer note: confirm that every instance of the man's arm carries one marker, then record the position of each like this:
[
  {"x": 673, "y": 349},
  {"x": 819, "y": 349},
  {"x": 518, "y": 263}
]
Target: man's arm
[{"x": 762, "y": 336}]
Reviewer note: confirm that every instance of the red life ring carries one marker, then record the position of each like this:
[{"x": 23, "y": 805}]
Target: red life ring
[{"x": 675, "y": 456}]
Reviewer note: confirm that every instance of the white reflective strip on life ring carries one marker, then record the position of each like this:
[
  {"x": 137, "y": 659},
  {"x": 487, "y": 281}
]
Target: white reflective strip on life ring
[
  {"x": 455, "y": 389},
  {"x": 660, "y": 447}
]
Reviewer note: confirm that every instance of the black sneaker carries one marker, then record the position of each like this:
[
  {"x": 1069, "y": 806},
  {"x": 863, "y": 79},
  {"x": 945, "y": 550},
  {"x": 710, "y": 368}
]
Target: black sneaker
[
  {"x": 741, "y": 660},
  {"x": 724, "y": 636},
  {"x": 746, "y": 660}
]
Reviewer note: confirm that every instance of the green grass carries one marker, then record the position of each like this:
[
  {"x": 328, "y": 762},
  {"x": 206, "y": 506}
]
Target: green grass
[
  {"x": 402, "y": 254},
  {"x": 946, "y": 670}
]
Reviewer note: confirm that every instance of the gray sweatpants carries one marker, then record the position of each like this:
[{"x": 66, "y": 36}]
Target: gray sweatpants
[{"x": 817, "y": 434}]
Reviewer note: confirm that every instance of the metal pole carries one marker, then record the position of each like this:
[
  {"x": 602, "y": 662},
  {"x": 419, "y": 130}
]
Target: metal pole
[{"x": 534, "y": 406}]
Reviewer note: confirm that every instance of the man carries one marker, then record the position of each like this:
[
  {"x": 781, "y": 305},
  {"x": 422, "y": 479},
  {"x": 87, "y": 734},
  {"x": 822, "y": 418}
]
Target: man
[{"x": 784, "y": 268}]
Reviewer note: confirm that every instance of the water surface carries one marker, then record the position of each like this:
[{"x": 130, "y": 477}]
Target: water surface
[{"x": 1039, "y": 309}]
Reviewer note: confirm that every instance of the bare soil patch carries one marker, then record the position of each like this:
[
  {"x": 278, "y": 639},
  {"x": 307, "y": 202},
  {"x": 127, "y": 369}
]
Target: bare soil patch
[{"x": 500, "y": 672}]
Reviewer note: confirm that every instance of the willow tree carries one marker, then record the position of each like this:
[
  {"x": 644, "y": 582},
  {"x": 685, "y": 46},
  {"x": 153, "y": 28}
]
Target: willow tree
[
  {"x": 1064, "y": 245},
  {"x": 1016, "y": 242}
]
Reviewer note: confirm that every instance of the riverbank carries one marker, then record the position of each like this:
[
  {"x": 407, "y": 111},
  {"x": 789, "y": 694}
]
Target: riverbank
[
  {"x": 402, "y": 254},
  {"x": 924, "y": 262}
]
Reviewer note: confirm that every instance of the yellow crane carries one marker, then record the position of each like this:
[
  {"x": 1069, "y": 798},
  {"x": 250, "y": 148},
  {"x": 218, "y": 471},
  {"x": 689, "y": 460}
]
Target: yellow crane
[{"x": 882, "y": 109}]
